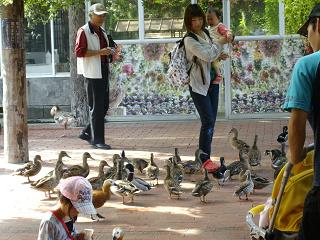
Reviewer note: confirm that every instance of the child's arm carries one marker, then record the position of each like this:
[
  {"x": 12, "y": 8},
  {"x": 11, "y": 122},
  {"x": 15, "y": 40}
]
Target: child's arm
[{"x": 224, "y": 31}]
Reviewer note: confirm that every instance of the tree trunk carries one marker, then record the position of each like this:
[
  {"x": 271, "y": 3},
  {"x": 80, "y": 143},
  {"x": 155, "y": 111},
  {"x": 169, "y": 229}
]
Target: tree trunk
[
  {"x": 78, "y": 92},
  {"x": 14, "y": 83}
]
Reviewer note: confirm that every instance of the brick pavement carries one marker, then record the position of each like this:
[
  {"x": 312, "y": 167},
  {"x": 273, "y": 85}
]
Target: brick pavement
[{"x": 152, "y": 215}]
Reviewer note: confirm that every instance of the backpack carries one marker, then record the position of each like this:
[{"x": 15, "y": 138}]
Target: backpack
[{"x": 179, "y": 67}]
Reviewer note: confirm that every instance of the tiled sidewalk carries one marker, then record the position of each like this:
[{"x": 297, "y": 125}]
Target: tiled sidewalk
[{"x": 152, "y": 215}]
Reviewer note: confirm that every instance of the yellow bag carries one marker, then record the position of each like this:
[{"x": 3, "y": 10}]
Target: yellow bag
[{"x": 299, "y": 184}]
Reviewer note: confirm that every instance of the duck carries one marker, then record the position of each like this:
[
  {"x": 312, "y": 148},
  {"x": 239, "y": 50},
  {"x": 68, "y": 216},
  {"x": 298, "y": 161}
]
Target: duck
[
  {"x": 112, "y": 171},
  {"x": 177, "y": 156},
  {"x": 258, "y": 181},
  {"x": 30, "y": 169},
  {"x": 203, "y": 187},
  {"x": 171, "y": 185},
  {"x": 176, "y": 169},
  {"x": 192, "y": 166},
  {"x": 279, "y": 162},
  {"x": 283, "y": 137},
  {"x": 243, "y": 163},
  {"x": 101, "y": 196},
  {"x": 59, "y": 168},
  {"x": 62, "y": 118},
  {"x": 123, "y": 188},
  {"x": 236, "y": 143},
  {"x": 97, "y": 182},
  {"x": 246, "y": 186},
  {"x": 117, "y": 233},
  {"x": 77, "y": 170},
  {"x": 139, "y": 163},
  {"x": 152, "y": 170},
  {"x": 49, "y": 183},
  {"x": 254, "y": 153},
  {"x": 139, "y": 183},
  {"x": 222, "y": 174},
  {"x": 273, "y": 153}
]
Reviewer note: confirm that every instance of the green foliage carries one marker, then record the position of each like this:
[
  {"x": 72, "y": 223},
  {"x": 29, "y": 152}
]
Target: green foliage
[
  {"x": 41, "y": 11},
  {"x": 296, "y": 13}
]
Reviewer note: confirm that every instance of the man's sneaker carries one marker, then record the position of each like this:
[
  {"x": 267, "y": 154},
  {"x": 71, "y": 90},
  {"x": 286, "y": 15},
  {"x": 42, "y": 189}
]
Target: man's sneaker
[{"x": 85, "y": 136}]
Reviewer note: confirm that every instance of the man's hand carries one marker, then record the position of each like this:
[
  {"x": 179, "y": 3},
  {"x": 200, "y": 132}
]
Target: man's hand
[{"x": 107, "y": 51}]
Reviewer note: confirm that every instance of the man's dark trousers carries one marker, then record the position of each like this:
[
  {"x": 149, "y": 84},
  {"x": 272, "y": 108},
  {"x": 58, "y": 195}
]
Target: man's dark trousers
[{"x": 98, "y": 100}]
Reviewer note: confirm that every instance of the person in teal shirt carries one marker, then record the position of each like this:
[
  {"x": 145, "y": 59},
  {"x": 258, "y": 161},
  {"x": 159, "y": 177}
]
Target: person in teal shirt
[{"x": 303, "y": 101}]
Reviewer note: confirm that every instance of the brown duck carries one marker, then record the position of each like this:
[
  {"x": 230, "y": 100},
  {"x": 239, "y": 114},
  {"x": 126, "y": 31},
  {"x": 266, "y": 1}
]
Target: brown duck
[
  {"x": 97, "y": 182},
  {"x": 77, "y": 170},
  {"x": 30, "y": 169}
]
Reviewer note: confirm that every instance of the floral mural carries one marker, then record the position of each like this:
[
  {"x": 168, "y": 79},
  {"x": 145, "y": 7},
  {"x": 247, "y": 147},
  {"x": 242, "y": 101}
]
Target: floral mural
[
  {"x": 261, "y": 72},
  {"x": 260, "y": 75},
  {"x": 141, "y": 73}
]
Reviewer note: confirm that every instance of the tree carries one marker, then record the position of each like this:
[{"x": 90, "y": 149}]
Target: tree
[
  {"x": 41, "y": 11},
  {"x": 78, "y": 100},
  {"x": 296, "y": 13},
  {"x": 14, "y": 83}
]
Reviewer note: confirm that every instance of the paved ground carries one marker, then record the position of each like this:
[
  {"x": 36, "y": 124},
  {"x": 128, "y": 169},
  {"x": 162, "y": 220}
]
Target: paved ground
[{"x": 153, "y": 215}]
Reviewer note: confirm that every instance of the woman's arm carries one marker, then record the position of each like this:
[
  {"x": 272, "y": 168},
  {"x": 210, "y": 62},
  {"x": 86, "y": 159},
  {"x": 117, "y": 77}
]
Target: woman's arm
[{"x": 204, "y": 51}]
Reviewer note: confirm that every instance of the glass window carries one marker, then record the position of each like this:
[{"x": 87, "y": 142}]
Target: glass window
[
  {"x": 164, "y": 19},
  {"x": 61, "y": 42},
  {"x": 262, "y": 19},
  {"x": 122, "y": 19},
  {"x": 38, "y": 49}
]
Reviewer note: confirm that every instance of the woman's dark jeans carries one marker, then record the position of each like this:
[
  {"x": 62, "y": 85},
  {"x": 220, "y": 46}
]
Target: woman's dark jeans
[{"x": 207, "y": 107}]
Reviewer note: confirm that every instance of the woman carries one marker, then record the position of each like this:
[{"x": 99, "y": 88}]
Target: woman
[
  {"x": 75, "y": 197},
  {"x": 204, "y": 93}
]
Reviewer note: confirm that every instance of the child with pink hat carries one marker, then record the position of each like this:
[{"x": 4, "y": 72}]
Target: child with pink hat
[{"x": 75, "y": 197}]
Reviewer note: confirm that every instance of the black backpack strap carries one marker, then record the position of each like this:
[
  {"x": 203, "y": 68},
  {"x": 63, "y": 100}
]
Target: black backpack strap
[{"x": 208, "y": 33}]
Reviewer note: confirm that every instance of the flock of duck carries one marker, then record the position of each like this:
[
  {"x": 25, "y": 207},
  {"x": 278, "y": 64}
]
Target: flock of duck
[{"x": 120, "y": 179}]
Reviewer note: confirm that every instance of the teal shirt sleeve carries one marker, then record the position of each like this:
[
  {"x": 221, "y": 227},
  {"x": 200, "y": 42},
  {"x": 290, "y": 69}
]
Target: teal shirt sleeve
[{"x": 300, "y": 90}]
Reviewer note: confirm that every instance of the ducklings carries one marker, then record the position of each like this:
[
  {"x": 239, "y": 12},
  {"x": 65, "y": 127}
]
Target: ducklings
[
  {"x": 203, "y": 187},
  {"x": 30, "y": 169}
]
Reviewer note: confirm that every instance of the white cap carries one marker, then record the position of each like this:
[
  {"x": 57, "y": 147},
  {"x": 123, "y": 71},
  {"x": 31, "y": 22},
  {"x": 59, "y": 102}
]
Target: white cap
[{"x": 97, "y": 9}]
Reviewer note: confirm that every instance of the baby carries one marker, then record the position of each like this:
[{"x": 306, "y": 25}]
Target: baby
[{"x": 216, "y": 30}]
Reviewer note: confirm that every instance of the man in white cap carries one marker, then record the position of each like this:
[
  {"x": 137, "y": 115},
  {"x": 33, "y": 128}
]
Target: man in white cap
[
  {"x": 303, "y": 101},
  {"x": 94, "y": 50}
]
